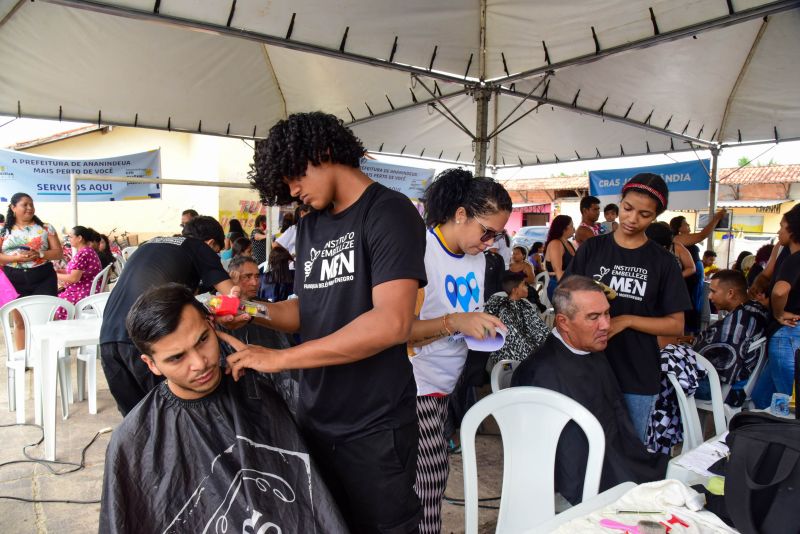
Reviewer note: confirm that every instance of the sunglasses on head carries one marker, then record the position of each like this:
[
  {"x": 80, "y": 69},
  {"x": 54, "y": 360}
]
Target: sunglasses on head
[{"x": 489, "y": 235}]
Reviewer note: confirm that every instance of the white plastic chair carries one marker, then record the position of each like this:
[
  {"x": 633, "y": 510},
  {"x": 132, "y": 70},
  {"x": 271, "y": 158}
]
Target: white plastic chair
[
  {"x": 35, "y": 310},
  {"x": 759, "y": 346},
  {"x": 692, "y": 430},
  {"x": 549, "y": 315},
  {"x": 91, "y": 306},
  {"x": 119, "y": 263},
  {"x": 127, "y": 252},
  {"x": 100, "y": 281},
  {"x": 531, "y": 420},
  {"x": 502, "y": 371}
]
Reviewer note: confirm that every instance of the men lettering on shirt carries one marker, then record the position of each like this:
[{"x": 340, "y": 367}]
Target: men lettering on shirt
[
  {"x": 359, "y": 266},
  {"x": 200, "y": 449},
  {"x": 572, "y": 362},
  {"x": 590, "y": 213}
]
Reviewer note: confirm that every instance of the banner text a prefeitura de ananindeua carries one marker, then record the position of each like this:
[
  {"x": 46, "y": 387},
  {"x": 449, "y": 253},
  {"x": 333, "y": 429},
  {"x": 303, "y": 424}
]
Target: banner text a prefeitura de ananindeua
[{"x": 48, "y": 179}]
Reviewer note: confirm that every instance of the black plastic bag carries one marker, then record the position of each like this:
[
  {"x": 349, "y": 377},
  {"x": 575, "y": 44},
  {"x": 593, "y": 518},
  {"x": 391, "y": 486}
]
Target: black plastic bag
[{"x": 762, "y": 483}]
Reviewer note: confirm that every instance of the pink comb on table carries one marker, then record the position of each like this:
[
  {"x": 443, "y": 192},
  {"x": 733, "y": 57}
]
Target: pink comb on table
[{"x": 616, "y": 525}]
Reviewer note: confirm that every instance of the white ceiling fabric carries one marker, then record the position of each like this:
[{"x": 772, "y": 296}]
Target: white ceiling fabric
[{"x": 203, "y": 66}]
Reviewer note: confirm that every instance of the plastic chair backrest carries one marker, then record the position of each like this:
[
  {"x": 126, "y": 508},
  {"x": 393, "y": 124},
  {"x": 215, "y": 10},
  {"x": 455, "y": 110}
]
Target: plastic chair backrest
[
  {"x": 92, "y": 306},
  {"x": 692, "y": 433},
  {"x": 119, "y": 262},
  {"x": 501, "y": 374},
  {"x": 100, "y": 281},
  {"x": 543, "y": 278},
  {"x": 717, "y": 399},
  {"x": 531, "y": 420},
  {"x": 757, "y": 345},
  {"x": 8, "y": 333},
  {"x": 39, "y": 309},
  {"x": 127, "y": 252}
]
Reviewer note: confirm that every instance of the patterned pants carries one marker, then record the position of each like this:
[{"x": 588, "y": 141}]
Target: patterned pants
[{"x": 432, "y": 462}]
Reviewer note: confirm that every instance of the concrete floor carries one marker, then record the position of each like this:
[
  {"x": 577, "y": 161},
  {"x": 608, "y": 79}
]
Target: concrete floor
[{"x": 32, "y": 481}]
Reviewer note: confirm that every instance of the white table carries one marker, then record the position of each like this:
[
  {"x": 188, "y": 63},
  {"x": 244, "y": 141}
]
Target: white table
[
  {"x": 706, "y": 455},
  {"x": 597, "y": 502},
  {"x": 49, "y": 338}
]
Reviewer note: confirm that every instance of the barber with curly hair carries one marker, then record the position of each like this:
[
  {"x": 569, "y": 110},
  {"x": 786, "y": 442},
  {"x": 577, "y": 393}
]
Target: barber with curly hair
[{"x": 359, "y": 263}]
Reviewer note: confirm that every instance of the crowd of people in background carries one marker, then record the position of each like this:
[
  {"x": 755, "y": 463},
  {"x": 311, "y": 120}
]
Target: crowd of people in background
[{"x": 361, "y": 365}]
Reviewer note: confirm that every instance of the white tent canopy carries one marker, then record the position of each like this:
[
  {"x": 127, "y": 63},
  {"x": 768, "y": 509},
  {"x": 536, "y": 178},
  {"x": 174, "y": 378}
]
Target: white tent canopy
[{"x": 419, "y": 78}]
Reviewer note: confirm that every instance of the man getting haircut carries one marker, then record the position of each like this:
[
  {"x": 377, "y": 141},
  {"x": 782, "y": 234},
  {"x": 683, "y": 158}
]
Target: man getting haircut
[
  {"x": 200, "y": 449},
  {"x": 360, "y": 261},
  {"x": 572, "y": 361}
]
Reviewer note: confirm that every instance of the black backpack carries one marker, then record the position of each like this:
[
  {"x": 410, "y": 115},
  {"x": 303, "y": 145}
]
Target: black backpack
[{"x": 762, "y": 482}]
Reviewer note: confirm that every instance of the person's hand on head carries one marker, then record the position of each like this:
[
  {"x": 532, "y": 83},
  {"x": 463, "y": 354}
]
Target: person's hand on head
[
  {"x": 253, "y": 357},
  {"x": 476, "y": 324},
  {"x": 234, "y": 277}
]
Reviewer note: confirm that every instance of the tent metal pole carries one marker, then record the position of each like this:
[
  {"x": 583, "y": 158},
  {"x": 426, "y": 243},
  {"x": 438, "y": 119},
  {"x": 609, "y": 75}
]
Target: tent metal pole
[
  {"x": 73, "y": 197},
  {"x": 712, "y": 192},
  {"x": 482, "y": 97}
]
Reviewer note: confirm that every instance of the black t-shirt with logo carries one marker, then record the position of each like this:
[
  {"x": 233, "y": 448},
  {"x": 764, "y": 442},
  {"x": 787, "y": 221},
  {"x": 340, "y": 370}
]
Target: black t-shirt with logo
[
  {"x": 648, "y": 283},
  {"x": 340, "y": 258},
  {"x": 789, "y": 271},
  {"x": 184, "y": 260}
]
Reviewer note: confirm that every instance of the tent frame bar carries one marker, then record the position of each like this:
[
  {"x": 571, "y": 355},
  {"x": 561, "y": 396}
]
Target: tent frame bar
[
  {"x": 607, "y": 116},
  {"x": 74, "y": 178},
  {"x": 259, "y": 38},
  {"x": 449, "y": 115},
  {"x": 673, "y": 35},
  {"x": 470, "y": 85},
  {"x": 413, "y": 105}
]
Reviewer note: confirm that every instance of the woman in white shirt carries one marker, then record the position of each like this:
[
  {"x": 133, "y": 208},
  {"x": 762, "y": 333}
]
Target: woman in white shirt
[{"x": 465, "y": 215}]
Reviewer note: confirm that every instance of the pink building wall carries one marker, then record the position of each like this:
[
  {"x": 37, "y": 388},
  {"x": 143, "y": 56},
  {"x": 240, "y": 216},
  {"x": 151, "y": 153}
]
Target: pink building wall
[{"x": 514, "y": 222}]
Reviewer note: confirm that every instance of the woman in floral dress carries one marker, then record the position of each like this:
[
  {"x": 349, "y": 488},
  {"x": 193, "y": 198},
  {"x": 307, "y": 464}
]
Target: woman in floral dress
[
  {"x": 28, "y": 247},
  {"x": 82, "y": 268}
]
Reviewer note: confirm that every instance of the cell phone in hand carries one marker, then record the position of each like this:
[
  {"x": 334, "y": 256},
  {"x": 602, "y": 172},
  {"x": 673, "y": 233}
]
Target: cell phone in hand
[{"x": 24, "y": 247}]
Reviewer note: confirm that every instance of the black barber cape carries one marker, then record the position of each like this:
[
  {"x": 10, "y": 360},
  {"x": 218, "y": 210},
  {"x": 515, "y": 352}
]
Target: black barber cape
[
  {"x": 589, "y": 380},
  {"x": 230, "y": 462}
]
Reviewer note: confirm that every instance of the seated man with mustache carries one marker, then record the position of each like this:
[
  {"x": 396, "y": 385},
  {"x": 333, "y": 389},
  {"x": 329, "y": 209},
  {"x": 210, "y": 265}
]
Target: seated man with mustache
[
  {"x": 201, "y": 452},
  {"x": 572, "y": 362}
]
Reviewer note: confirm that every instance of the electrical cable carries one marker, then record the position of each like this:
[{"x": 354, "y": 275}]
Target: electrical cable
[
  {"x": 74, "y": 467},
  {"x": 460, "y": 502}
]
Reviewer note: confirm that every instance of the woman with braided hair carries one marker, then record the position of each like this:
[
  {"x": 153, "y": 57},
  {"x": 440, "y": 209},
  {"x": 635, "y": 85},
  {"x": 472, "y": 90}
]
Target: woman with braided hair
[{"x": 465, "y": 215}]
